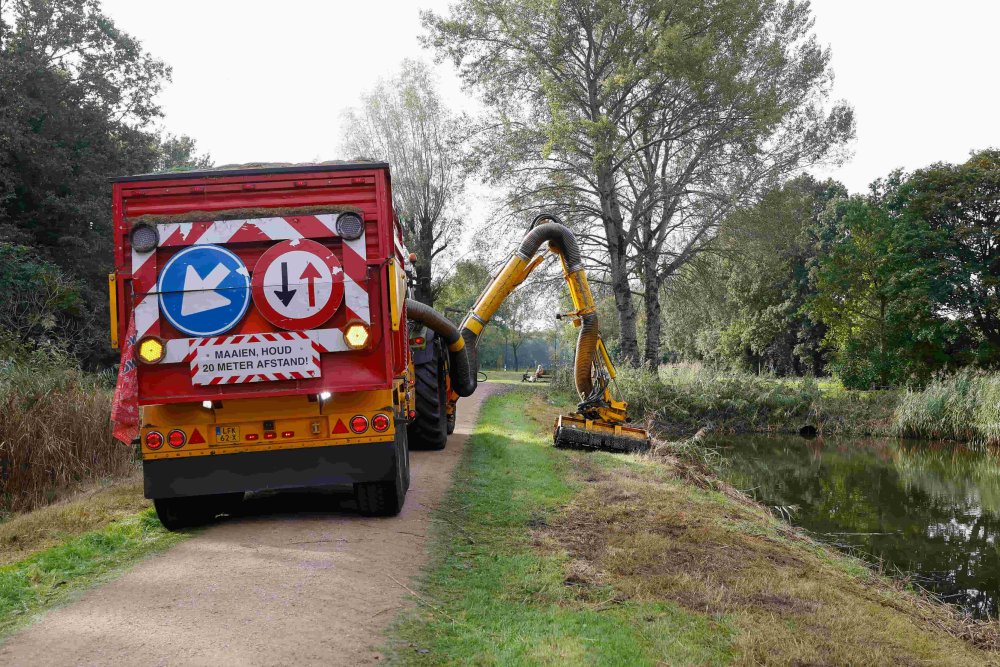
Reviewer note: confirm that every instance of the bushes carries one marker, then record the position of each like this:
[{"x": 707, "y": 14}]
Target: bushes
[
  {"x": 964, "y": 406},
  {"x": 54, "y": 429}
]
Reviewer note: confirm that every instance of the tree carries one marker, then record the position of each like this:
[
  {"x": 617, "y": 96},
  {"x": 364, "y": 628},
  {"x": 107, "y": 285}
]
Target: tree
[
  {"x": 876, "y": 296},
  {"x": 650, "y": 119},
  {"x": 77, "y": 107},
  {"x": 403, "y": 122},
  {"x": 181, "y": 154},
  {"x": 953, "y": 216},
  {"x": 741, "y": 302}
]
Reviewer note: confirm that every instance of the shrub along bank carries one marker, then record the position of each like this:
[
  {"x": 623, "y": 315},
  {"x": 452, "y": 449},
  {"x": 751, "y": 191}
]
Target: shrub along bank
[
  {"x": 680, "y": 400},
  {"x": 544, "y": 556}
]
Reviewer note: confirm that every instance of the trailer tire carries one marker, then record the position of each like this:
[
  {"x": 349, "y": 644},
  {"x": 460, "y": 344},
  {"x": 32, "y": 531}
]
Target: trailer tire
[
  {"x": 193, "y": 511},
  {"x": 429, "y": 429},
  {"x": 386, "y": 497}
]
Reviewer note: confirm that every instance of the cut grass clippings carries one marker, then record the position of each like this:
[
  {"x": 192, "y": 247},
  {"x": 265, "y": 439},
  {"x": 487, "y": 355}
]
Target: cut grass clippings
[
  {"x": 57, "y": 573},
  {"x": 544, "y": 556}
]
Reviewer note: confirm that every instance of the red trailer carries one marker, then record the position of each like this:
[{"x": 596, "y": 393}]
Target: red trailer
[{"x": 271, "y": 338}]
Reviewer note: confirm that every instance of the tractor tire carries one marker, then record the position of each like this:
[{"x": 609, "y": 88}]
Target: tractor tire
[
  {"x": 429, "y": 429},
  {"x": 193, "y": 511},
  {"x": 386, "y": 497}
]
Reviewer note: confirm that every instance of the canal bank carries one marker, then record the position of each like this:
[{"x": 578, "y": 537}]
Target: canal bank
[
  {"x": 543, "y": 556},
  {"x": 928, "y": 511}
]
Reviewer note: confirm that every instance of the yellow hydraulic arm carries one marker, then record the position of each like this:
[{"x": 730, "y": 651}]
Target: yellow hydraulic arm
[{"x": 600, "y": 418}]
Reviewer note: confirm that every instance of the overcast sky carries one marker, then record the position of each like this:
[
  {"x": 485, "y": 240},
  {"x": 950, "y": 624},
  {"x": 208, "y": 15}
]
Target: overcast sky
[{"x": 265, "y": 81}]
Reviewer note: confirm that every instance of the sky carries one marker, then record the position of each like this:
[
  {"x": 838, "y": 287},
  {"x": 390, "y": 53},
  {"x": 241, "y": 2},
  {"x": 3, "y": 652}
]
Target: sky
[{"x": 253, "y": 84}]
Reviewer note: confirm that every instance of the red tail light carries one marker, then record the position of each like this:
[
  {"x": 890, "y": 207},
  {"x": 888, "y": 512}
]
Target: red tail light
[
  {"x": 270, "y": 435},
  {"x": 252, "y": 436},
  {"x": 154, "y": 440},
  {"x": 359, "y": 424},
  {"x": 288, "y": 434},
  {"x": 380, "y": 423},
  {"x": 176, "y": 438}
]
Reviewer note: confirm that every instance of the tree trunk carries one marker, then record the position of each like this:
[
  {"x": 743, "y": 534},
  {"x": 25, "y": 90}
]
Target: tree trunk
[
  {"x": 651, "y": 303},
  {"x": 422, "y": 267},
  {"x": 618, "y": 256}
]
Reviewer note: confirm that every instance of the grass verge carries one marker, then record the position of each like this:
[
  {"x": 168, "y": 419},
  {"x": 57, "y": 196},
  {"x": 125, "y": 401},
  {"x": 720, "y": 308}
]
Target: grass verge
[
  {"x": 51, "y": 555},
  {"x": 552, "y": 557}
]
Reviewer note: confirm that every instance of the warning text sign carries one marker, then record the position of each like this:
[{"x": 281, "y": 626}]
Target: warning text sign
[{"x": 238, "y": 359}]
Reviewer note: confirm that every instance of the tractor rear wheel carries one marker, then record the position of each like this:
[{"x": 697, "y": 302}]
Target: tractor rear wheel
[{"x": 429, "y": 429}]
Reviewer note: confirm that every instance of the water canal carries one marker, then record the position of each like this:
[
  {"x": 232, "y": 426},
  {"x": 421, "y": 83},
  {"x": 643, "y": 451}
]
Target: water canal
[{"x": 928, "y": 510}]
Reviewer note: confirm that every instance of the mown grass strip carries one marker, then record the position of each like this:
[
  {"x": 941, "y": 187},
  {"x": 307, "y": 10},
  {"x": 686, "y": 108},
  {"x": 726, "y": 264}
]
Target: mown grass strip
[
  {"x": 54, "y": 575},
  {"x": 491, "y": 597}
]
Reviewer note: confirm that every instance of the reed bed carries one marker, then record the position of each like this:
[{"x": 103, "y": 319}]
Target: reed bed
[
  {"x": 55, "y": 435},
  {"x": 964, "y": 406}
]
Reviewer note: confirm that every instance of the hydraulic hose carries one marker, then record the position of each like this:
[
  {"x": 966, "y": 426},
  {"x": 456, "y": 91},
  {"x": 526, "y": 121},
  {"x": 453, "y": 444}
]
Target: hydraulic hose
[{"x": 460, "y": 369}]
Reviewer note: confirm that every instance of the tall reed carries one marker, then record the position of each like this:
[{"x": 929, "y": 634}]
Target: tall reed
[
  {"x": 54, "y": 431},
  {"x": 964, "y": 406}
]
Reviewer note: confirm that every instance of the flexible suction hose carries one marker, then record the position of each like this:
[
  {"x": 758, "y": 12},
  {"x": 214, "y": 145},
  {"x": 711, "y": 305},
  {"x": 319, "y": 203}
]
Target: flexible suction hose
[
  {"x": 463, "y": 377},
  {"x": 546, "y": 227}
]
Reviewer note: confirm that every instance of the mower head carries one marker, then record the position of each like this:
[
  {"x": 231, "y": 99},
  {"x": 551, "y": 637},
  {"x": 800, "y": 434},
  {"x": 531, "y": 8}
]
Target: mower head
[{"x": 577, "y": 432}]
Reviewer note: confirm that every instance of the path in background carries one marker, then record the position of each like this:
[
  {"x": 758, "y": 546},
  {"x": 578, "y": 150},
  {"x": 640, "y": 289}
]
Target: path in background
[{"x": 279, "y": 587}]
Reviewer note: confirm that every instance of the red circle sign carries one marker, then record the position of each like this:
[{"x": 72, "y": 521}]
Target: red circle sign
[{"x": 298, "y": 284}]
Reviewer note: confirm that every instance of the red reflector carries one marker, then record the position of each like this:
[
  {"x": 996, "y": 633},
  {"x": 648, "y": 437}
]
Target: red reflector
[
  {"x": 413, "y": 414},
  {"x": 252, "y": 436},
  {"x": 340, "y": 428},
  {"x": 380, "y": 423},
  {"x": 287, "y": 434},
  {"x": 196, "y": 438},
  {"x": 359, "y": 424},
  {"x": 418, "y": 341},
  {"x": 270, "y": 435},
  {"x": 154, "y": 440},
  {"x": 176, "y": 438}
]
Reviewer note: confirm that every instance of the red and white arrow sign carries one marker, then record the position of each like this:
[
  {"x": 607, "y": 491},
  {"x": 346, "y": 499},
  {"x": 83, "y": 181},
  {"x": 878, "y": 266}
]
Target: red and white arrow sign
[{"x": 298, "y": 284}]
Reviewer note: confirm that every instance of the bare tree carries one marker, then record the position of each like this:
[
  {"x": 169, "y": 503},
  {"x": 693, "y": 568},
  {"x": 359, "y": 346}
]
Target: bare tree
[
  {"x": 403, "y": 122},
  {"x": 644, "y": 119}
]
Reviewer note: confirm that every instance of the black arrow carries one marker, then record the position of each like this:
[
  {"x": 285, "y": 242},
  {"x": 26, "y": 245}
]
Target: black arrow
[{"x": 284, "y": 293}]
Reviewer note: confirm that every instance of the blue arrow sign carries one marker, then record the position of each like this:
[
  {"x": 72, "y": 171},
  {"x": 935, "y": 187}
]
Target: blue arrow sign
[{"x": 204, "y": 290}]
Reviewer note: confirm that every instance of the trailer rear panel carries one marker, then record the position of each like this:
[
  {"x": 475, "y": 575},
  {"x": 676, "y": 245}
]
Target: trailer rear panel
[{"x": 253, "y": 286}]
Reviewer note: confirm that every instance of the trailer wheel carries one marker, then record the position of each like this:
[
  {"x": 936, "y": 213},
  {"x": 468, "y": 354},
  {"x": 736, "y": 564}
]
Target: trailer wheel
[
  {"x": 386, "y": 497},
  {"x": 194, "y": 511},
  {"x": 429, "y": 429}
]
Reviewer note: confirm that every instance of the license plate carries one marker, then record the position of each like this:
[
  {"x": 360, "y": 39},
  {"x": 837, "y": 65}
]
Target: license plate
[{"x": 227, "y": 435}]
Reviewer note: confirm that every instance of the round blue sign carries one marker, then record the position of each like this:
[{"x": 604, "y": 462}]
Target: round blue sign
[{"x": 204, "y": 290}]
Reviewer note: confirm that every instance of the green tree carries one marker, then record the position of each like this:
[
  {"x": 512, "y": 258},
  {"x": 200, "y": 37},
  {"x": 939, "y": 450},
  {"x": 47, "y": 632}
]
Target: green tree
[
  {"x": 876, "y": 297},
  {"x": 77, "y": 107},
  {"x": 742, "y": 301},
  {"x": 180, "y": 153},
  {"x": 953, "y": 232}
]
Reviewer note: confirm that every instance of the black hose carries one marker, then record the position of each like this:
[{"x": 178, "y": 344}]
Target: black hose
[
  {"x": 556, "y": 233},
  {"x": 463, "y": 378}
]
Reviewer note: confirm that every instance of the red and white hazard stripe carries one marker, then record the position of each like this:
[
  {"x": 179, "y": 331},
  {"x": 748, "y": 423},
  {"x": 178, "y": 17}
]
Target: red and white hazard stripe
[
  {"x": 180, "y": 350},
  {"x": 180, "y": 234}
]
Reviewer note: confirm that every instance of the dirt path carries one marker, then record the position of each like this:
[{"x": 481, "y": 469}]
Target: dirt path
[{"x": 278, "y": 587}]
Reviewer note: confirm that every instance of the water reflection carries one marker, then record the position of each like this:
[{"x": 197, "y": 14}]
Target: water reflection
[{"x": 932, "y": 510}]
